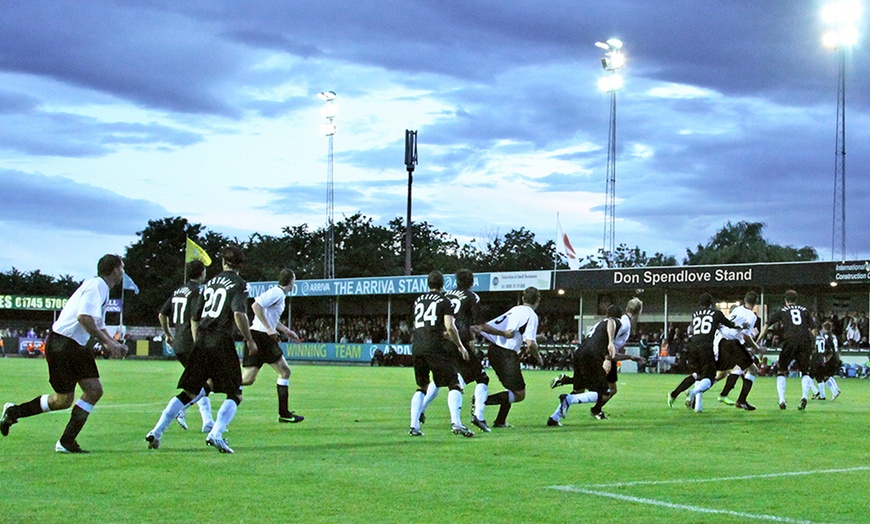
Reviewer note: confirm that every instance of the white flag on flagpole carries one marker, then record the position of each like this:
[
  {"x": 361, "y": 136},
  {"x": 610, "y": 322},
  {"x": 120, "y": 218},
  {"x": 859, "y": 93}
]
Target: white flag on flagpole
[{"x": 564, "y": 247}]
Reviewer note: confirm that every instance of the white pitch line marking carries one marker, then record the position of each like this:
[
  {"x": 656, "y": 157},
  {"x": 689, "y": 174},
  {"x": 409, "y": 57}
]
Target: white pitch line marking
[
  {"x": 670, "y": 505},
  {"x": 724, "y": 479}
]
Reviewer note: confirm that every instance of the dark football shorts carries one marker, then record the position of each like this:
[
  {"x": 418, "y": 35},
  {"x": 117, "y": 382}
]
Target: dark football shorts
[
  {"x": 732, "y": 353},
  {"x": 268, "y": 351},
  {"x": 68, "y": 363},
  {"x": 589, "y": 372},
  {"x": 798, "y": 349},
  {"x": 506, "y": 364},
  {"x": 213, "y": 357},
  {"x": 442, "y": 367},
  {"x": 702, "y": 362},
  {"x": 471, "y": 370}
]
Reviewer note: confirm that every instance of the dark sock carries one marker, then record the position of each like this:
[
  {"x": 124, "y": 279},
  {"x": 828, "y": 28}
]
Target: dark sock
[
  {"x": 498, "y": 399},
  {"x": 684, "y": 385},
  {"x": 283, "y": 394},
  {"x": 599, "y": 405},
  {"x": 744, "y": 392},
  {"x": 28, "y": 409},
  {"x": 77, "y": 420},
  {"x": 503, "y": 411},
  {"x": 730, "y": 382}
]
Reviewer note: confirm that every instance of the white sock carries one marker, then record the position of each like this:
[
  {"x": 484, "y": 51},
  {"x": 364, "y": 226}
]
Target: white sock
[
  {"x": 481, "y": 393},
  {"x": 806, "y": 382},
  {"x": 815, "y": 390},
  {"x": 583, "y": 398},
  {"x": 43, "y": 404},
  {"x": 780, "y": 388},
  {"x": 835, "y": 390},
  {"x": 205, "y": 410},
  {"x": 511, "y": 397},
  {"x": 224, "y": 417},
  {"x": 172, "y": 409},
  {"x": 454, "y": 402},
  {"x": 698, "y": 391},
  {"x": 431, "y": 393},
  {"x": 462, "y": 383},
  {"x": 416, "y": 408}
]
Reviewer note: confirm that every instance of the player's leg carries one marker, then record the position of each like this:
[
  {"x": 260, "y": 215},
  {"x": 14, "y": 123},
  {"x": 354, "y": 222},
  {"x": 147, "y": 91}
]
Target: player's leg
[
  {"x": 421, "y": 377},
  {"x": 283, "y": 390}
]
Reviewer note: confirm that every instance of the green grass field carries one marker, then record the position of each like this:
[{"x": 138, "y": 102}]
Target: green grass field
[{"x": 352, "y": 460}]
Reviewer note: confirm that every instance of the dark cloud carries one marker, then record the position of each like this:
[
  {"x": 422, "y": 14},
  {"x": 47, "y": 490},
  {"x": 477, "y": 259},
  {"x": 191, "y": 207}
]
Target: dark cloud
[{"x": 38, "y": 201}]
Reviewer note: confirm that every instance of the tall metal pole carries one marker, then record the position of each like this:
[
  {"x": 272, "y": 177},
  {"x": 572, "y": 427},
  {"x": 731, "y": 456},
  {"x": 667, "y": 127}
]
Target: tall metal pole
[
  {"x": 328, "y": 128},
  {"x": 329, "y": 241},
  {"x": 610, "y": 200},
  {"x": 612, "y": 62},
  {"x": 839, "y": 218},
  {"x": 410, "y": 162}
]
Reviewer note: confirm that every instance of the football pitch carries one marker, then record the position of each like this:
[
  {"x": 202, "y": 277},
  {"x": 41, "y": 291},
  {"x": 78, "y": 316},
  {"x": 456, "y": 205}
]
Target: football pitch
[{"x": 352, "y": 459}]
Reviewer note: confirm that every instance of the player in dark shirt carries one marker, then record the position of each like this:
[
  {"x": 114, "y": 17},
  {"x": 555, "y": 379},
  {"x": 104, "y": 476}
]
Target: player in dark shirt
[
  {"x": 466, "y": 313},
  {"x": 177, "y": 312},
  {"x": 825, "y": 363},
  {"x": 702, "y": 362},
  {"x": 798, "y": 334},
  {"x": 222, "y": 309},
  {"x": 592, "y": 362},
  {"x": 433, "y": 316}
]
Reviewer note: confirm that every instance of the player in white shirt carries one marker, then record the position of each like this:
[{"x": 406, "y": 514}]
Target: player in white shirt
[
  {"x": 69, "y": 362},
  {"x": 734, "y": 351},
  {"x": 521, "y": 323},
  {"x": 268, "y": 308},
  {"x": 632, "y": 311}
]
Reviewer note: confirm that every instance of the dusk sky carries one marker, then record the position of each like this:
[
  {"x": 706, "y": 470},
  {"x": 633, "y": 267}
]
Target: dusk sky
[{"x": 115, "y": 113}]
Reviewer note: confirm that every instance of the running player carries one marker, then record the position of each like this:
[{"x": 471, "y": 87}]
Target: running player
[
  {"x": 593, "y": 360},
  {"x": 798, "y": 335},
  {"x": 433, "y": 316},
  {"x": 268, "y": 308},
  {"x": 69, "y": 362},
  {"x": 825, "y": 363},
  {"x": 466, "y": 311},
  {"x": 629, "y": 318},
  {"x": 702, "y": 362},
  {"x": 735, "y": 352},
  {"x": 178, "y": 312},
  {"x": 521, "y": 322},
  {"x": 224, "y": 304}
]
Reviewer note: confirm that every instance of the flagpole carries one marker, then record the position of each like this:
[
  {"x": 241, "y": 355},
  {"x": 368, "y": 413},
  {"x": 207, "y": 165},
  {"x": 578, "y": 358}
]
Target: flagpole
[
  {"x": 556, "y": 260},
  {"x": 185, "y": 261}
]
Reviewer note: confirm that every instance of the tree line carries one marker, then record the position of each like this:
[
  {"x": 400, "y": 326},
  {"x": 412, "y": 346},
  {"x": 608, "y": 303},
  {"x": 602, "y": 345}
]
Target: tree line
[{"x": 365, "y": 249}]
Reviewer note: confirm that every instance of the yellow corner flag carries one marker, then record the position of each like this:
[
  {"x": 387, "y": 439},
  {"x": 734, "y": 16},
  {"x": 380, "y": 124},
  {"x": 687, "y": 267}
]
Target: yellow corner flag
[{"x": 194, "y": 252}]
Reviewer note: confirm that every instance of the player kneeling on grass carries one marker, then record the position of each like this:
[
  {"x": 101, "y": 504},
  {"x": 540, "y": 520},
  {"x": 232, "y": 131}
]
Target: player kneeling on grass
[
  {"x": 268, "y": 308},
  {"x": 433, "y": 316}
]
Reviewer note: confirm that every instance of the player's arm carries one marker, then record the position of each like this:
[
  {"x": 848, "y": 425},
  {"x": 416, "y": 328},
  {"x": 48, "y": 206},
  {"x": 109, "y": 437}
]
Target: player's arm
[
  {"x": 291, "y": 335},
  {"x": 453, "y": 335},
  {"x": 486, "y": 328},
  {"x": 245, "y": 328},
  {"x": 90, "y": 324},
  {"x": 761, "y": 335},
  {"x": 260, "y": 313},
  {"x": 611, "y": 334},
  {"x": 532, "y": 349},
  {"x": 164, "y": 323}
]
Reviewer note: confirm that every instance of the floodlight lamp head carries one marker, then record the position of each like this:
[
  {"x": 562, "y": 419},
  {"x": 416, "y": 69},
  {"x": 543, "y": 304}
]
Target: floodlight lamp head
[
  {"x": 327, "y": 96},
  {"x": 841, "y": 12},
  {"x": 614, "y": 43}
]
